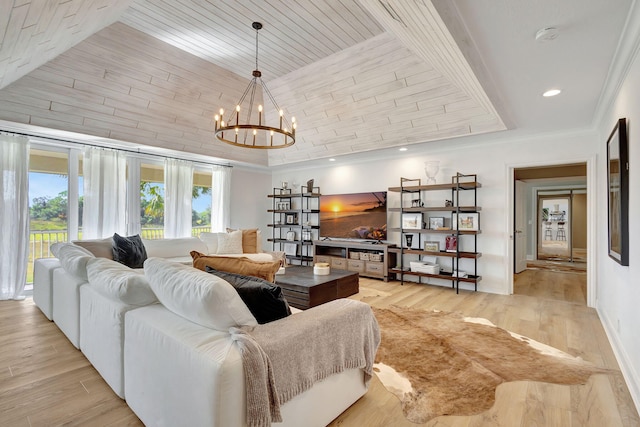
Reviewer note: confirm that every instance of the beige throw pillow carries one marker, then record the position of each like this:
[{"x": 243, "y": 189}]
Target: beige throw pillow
[
  {"x": 100, "y": 248},
  {"x": 250, "y": 240}
]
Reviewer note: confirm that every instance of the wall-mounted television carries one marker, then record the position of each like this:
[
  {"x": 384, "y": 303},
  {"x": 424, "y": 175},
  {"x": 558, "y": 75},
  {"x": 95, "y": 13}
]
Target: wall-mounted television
[{"x": 354, "y": 216}]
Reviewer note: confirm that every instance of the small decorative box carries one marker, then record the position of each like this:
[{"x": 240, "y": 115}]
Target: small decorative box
[
  {"x": 424, "y": 267},
  {"x": 321, "y": 269}
]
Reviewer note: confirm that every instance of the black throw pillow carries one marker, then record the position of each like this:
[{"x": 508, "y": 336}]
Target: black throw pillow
[
  {"x": 264, "y": 299},
  {"x": 129, "y": 250}
]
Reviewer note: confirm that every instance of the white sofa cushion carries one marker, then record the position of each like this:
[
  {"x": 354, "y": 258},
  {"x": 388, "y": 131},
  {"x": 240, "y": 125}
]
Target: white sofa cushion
[
  {"x": 74, "y": 260},
  {"x": 230, "y": 243},
  {"x": 171, "y": 248},
  {"x": 119, "y": 282},
  {"x": 197, "y": 296},
  {"x": 55, "y": 248}
]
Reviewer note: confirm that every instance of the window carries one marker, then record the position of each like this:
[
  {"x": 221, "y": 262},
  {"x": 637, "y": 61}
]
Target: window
[
  {"x": 201, "y": 204},
  {"x": 56, "y": 198},
  {"x": 48, "y": 203},
  {"x": 152, "y": 200}
]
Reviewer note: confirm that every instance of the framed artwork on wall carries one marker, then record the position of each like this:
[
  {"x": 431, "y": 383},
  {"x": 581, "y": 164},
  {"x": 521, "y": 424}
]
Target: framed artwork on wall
[{"x": 618, "y": 192}]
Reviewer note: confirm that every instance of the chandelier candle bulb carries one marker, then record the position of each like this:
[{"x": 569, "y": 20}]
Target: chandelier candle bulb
[
  {"x": 259, "y": 115},
  {"x": 237, "y": 114}
]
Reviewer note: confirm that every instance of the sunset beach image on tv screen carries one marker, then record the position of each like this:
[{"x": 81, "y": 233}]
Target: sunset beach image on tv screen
[{"x": 354, "y": 216}]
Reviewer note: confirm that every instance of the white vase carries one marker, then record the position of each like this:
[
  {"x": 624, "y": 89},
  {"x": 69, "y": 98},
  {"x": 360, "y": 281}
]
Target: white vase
[{"x": 431, "y": 168}]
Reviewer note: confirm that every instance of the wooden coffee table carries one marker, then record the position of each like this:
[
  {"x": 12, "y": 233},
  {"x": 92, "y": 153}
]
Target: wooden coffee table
[{"x": 303, "y": 289}]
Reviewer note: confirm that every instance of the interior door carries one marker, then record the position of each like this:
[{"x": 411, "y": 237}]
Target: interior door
[{"x": 520, "y": 228}]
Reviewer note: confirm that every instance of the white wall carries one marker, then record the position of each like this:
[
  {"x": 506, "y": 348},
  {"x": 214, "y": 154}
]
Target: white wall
[
  {"x": 618, "y": 287},
  {"x": 489, "y": 160},
  {"x": 249, "y": 202}
]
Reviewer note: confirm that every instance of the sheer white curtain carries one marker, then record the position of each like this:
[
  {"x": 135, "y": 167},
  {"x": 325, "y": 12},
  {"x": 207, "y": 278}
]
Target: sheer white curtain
[
  {"x": 220, "y": 198},
  {"x": 105, "y": 189},
  {"x": 14, "y": 215},
  {"x": 178, "y": 194}
]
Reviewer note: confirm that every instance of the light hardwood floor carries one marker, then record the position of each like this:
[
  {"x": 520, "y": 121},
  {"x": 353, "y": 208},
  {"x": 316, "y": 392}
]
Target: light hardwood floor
[{"x": 44, "y": 381}]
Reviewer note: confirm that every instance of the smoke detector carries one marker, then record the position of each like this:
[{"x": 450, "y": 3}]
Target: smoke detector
[{"x": 547, "y": 34}]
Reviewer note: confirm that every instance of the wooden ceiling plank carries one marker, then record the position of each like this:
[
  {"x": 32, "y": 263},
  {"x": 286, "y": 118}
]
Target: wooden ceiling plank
[{"x": 174, "y": 19}]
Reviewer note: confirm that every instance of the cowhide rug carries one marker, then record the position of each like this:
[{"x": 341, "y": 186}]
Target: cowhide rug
[{"x": 440, "y": 363}]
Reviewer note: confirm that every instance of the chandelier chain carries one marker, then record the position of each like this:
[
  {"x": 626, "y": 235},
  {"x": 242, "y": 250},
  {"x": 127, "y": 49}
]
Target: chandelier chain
[{"x": 257, "y": 31}]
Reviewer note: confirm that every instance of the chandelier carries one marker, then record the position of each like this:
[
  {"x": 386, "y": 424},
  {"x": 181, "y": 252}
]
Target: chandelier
[{"x": 253, "y": 132}]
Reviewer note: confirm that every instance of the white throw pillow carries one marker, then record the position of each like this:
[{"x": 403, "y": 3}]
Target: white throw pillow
[
  {"x": 170, "y": 248},
  {"x": 197, "y": 296},
  {"x": 74, "y": 260},
  {"x": 211, "y": 240},
  {"x": 230, "y": 243},
  {"x": 119, "y": 282}
]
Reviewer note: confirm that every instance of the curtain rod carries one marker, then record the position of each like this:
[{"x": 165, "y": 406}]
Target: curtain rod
[{"x": 126, "y": 150}]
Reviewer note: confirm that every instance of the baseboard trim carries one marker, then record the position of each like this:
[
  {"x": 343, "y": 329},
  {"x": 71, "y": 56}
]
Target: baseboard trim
[{"x": 630, "y": 375}]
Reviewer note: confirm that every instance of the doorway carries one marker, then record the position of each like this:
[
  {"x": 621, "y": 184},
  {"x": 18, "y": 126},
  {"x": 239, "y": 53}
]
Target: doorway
[
  {"x": 554, "y": 227},
  {"x": 550, "y": 228}
]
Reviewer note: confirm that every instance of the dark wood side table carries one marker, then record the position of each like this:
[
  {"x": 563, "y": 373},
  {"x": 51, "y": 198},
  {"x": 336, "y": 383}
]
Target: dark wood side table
[{"x": 303, "y": 289}]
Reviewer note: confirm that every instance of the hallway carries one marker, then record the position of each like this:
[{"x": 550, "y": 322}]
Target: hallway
[{"x": 559, "y": 281}]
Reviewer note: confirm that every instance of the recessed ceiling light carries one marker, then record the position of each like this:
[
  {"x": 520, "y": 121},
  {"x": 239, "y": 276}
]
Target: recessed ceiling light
[
  {"x": 332, "y": 160},
  {"x": 403, "y": 149},
  {"x": 552, "y": 92}
]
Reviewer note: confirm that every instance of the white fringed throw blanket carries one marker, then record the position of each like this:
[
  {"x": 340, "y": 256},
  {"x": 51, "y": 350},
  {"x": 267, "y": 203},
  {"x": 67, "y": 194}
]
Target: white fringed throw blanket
[{"x": 284, "y": 358}]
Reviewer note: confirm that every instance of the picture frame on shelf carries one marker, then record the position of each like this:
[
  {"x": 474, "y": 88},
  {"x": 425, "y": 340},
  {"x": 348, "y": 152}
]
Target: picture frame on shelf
[
  {"x": 432, "y": 246},
  {"x": 436, "y": 222},
  {"x": 290, "y": 219},
  {"x": 411, "y": 220},
  {"x": 451, "y": 243},
  {"x": 466, "y": 221}
]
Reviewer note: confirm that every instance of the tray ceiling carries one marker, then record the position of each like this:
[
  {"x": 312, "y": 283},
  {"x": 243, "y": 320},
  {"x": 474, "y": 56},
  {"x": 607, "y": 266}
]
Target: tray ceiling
[{"x": 358, "y": 75}]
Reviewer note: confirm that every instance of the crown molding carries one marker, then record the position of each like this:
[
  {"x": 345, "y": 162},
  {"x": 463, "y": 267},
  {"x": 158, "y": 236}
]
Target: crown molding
[{"x": 623, "y": 59}]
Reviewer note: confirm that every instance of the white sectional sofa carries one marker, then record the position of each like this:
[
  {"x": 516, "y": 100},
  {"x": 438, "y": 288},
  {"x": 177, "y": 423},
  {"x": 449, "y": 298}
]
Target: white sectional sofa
[
  {"x": 63, "y": 306},
  {"x": 170, "y": 368}
]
